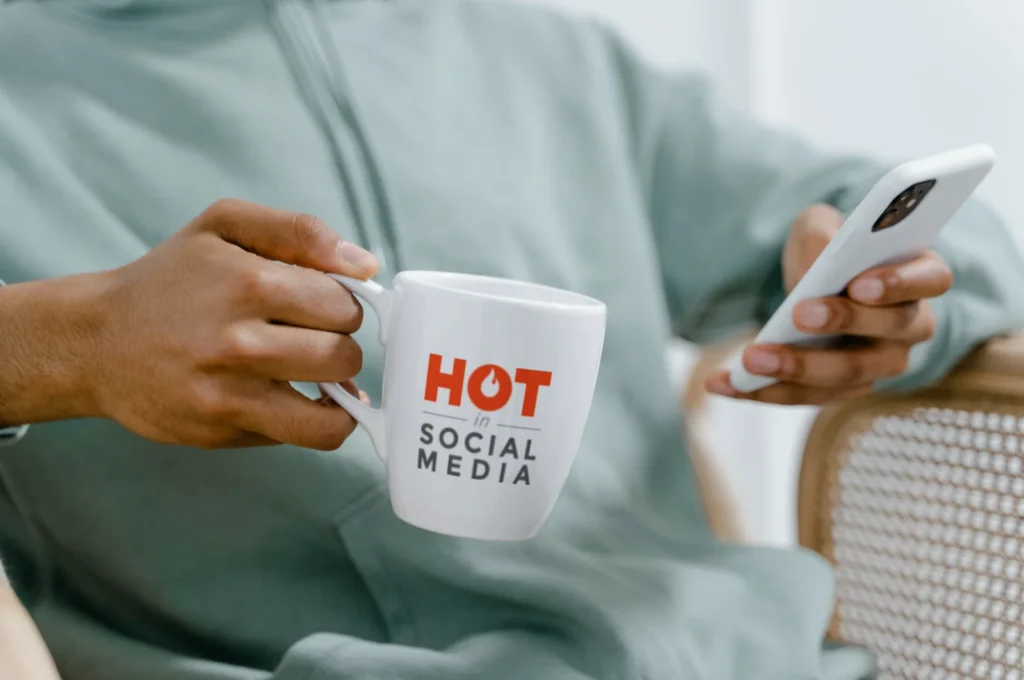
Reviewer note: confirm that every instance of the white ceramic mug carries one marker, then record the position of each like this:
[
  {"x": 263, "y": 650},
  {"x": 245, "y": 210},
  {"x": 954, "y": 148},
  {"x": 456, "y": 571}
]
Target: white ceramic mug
[{"x": 487, "y": 387}]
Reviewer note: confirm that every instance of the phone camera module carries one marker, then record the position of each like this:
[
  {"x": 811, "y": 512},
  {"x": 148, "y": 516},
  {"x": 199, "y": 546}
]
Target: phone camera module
[
  {"x": 903, "y": 205},
  {"x": 922, "y": 188},
  {"x": 888, "y": 219}
]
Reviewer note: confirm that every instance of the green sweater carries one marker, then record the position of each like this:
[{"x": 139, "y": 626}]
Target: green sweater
[{"x": 443, "y": 134}]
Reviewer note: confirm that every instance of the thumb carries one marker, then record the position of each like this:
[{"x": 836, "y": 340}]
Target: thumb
[
  {"x": 292, "y": 238},
  {"x": 811, "y": 232}
]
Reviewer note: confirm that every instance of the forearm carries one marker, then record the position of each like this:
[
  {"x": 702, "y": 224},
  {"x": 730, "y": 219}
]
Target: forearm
[
  {"x": 723, "y": 190},
  {"x": 48, "y": 332}
]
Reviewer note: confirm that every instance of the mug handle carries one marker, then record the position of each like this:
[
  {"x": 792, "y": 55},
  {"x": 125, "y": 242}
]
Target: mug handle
[{"x": 372, "y": 419}]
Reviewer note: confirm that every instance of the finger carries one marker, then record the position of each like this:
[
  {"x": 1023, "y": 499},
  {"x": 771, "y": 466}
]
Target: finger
[
  {"x": 282, "y": 414},
  {"x": 910, "y": 322},
  {"x": 787, "y": 394},
  {"x": 924, "y": 277},
  {"x": 718, "y": 383},
  {"x": 833, "y": 368},
  {"x": 291, "y": 354},
  {"x": 294, "y": 238},
  {"x": 221, "y": 435},
  {"x": 347, "y": 385},
  {"x": 812, "y": 231},
  {"x": 303, "y": 297},
  {"x": 247, "y": 440}
]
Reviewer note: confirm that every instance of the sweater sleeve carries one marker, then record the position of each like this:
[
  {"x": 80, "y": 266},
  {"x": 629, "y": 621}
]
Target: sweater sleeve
[{"x": 723, "y": 190}]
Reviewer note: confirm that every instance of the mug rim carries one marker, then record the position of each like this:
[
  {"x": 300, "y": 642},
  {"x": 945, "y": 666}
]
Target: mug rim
[{"x": 555, "y": 298}]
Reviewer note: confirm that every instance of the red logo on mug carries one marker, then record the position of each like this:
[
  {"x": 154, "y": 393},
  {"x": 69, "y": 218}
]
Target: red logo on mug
[{"x": 498, "y": 379}]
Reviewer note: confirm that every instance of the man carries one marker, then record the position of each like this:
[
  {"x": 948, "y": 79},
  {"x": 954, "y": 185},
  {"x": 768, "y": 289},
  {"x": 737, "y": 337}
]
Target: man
[{"x": 160, "y": 159}]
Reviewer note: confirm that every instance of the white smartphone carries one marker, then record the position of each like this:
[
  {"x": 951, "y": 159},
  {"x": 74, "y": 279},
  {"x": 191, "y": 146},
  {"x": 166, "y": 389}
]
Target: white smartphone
[{"x": 898, "y": 219}]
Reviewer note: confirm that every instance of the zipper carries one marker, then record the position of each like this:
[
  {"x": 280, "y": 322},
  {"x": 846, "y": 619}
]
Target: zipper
[{"x": 302, "y": 30}]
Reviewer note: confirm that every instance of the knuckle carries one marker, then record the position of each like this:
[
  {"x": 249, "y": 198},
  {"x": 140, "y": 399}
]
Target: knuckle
[
  {"x": 222, "y": 209},
  {"x": 333, "y": 437},
  {"x": 803, "y": 221},
  {"x": 236, "y": 345},
  {"x": 819, "y": 222},
  {"x": 813, "y": 214},
  {"x": 256, "y": 282},
  {"x": 794, "y": 365},
  {"x": 350, "y": 355},
  {"x": 351, "y": 312},
  {"x": 903, "y": 317},
  {"x": 336, "y": 305},
  {"x": 944, "y": 277},
  {"x": 310, "y": 233},
  {"x": 841, "y": 313},
  {"x": 209, "y": 397},
  {"x": 895, "y": 288},
  {"x": 846, "y": 371}
]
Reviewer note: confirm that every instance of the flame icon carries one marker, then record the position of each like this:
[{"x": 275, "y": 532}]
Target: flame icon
[{"x": 490, "y": 379}]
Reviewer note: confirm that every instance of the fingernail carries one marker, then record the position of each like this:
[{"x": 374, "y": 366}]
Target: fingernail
[
  {"x": 760, "y": 361},
  {"x": 720, "y": 384},
  {"x": 356, "y": 256},
  {"x": 813, "y": 315},
  {"x": 867, "y": 290},
  {"x": 364, "y": 397}
]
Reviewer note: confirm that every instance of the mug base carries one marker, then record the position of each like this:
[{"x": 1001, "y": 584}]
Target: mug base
[{"x": 434, "y": 525}]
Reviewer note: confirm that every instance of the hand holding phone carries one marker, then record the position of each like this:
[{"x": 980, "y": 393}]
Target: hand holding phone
[{"x": 897, "y": 221}]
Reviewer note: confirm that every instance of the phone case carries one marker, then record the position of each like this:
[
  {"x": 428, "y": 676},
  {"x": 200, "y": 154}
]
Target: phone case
[{"x": 867, "y": 240}]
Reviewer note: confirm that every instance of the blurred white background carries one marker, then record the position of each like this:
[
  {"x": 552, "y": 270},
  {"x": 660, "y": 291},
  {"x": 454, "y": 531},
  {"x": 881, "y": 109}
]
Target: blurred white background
[{"x": 893, "y": 78}]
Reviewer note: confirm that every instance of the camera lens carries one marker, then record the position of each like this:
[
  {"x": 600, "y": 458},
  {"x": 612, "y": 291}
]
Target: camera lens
[
  {"x": 922, "y": 188},
  {"x": 888, "y": 219}
]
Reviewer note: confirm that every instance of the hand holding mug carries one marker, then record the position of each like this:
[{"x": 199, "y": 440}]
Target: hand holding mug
[
  {"x": 196, "y": 341},
  {"x": 487, "y": 384}
]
